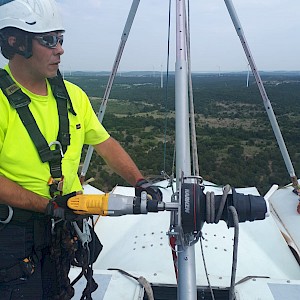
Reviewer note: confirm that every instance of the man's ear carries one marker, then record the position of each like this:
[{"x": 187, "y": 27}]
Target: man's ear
[{"x": 11, "y": 41}]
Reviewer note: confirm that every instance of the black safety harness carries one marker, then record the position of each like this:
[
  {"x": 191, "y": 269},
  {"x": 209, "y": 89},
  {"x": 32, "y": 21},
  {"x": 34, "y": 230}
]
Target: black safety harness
[{"x": 20, "y": 102}]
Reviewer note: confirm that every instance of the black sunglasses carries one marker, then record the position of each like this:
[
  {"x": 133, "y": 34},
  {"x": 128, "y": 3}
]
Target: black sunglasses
[{"x": 49, "y": 41}]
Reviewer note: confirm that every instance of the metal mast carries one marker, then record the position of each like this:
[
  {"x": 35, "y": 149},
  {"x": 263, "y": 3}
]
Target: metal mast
[
  {"x": 187, "y": 288},
  {"x": 266, "y": 101},
  {"x": 124, "y": 37},
  {"x": 186, "y": 254}
]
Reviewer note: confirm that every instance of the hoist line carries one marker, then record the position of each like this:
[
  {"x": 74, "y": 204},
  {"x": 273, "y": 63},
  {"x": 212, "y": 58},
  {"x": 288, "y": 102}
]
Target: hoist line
[
  {"x": 167, "y": 89},
  {"x": 194, "y": 151},
  {"x": 173, "y": 218}
]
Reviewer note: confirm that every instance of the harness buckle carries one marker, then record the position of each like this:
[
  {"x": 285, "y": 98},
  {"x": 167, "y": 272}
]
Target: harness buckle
[{"x": 55, "y": 186}]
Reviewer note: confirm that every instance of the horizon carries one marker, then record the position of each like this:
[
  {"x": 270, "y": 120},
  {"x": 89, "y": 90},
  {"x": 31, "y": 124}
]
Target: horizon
[{"x": 172, "y": 71}]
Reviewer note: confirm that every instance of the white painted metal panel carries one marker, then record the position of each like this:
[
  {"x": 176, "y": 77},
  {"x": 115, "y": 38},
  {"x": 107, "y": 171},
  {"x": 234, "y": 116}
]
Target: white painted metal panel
[
  {"x": 139, "y": 245},
  {"x": 112, "y": 285},
  {"x": 268, "y": 289},
  {"x": 284, "y": 203}
]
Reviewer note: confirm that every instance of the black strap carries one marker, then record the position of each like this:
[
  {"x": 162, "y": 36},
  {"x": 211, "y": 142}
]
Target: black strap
[
  {"x": 63, "y": 100},
  {"x": 20, "y": 102}
]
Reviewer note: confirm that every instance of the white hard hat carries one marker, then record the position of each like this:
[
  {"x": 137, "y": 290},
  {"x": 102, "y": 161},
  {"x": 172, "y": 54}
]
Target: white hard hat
[{"x": 36, "y": 16}]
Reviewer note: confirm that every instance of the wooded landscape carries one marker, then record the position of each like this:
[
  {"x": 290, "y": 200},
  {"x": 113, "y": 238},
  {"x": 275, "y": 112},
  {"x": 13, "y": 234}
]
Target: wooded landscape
[{"x": 236, "y": 144}]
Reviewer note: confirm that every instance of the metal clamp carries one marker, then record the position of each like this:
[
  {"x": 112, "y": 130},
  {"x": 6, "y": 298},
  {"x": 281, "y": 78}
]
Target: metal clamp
[
  {"x": 84, "y": 235},
  {"x": 9, "y": 217}
]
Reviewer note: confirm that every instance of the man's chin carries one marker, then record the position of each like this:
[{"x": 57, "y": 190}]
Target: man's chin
[{"x": 52, "y": 73}]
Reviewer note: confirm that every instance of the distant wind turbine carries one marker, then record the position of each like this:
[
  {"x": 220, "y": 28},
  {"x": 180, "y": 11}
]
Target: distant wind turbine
[
  {"x": 248, "y": 75},
  {"x": 161, "y": 77}
]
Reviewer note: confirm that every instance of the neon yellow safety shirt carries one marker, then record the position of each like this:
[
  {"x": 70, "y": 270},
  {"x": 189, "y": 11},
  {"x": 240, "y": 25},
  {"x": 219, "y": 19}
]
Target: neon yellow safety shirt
[{"x": 19, "y": 159}]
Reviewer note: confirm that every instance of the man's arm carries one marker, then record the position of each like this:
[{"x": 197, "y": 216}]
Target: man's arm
[
  {"x": 14, "y": 195},
  {"x": 119, "y": 160}
]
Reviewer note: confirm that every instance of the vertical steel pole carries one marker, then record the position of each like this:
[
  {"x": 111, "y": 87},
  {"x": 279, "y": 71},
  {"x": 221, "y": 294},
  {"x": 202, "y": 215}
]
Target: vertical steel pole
[
  {"x": 186, "y": 254},
  {"x": 124, "y": 37},
  {"x": 266, "y": 101}
]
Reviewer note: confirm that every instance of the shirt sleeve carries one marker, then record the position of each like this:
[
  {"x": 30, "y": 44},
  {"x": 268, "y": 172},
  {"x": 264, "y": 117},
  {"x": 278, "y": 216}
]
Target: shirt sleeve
[
  {"x": 1, "y": 139},
  {"x": 4, "y": 105},
  {"x": 95, "y": 133}
]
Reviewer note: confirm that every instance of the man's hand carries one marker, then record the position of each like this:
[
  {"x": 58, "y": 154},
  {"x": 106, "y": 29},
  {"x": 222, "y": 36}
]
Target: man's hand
[
  {"x": 145, "y": 186},
  {"x": 58, "y": 208}
]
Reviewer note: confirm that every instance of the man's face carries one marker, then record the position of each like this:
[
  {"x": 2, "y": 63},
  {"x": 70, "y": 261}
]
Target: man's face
[{"x": 46, "y": 53}]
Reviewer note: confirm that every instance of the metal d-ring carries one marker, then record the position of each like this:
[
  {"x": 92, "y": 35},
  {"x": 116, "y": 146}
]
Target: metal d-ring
[
  {"x": 59, "y": 145},
  {"x": 9, "y": 217}
]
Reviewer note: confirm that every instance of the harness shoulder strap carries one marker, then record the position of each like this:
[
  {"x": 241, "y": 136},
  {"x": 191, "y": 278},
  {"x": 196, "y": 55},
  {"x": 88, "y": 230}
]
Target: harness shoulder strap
[
  {"x": 21, "y": 101},
  {"x": 63, "y": 101}
]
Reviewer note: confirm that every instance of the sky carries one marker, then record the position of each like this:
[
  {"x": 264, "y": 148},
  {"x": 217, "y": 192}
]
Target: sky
[{"x": 94, "y": 28}]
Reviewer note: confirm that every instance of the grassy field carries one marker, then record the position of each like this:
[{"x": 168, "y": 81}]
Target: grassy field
[{"x": 235, "y": 141}]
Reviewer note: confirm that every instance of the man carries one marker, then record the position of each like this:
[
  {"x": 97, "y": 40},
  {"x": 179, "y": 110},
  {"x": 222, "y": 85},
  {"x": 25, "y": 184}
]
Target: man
[{"x": 31, "y": 35}]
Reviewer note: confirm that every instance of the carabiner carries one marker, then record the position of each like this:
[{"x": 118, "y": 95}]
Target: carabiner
[
  {"x": 84, "y": 235},
  {"x": 53, "y": 223},
  {"x": 59, "y": 145}
]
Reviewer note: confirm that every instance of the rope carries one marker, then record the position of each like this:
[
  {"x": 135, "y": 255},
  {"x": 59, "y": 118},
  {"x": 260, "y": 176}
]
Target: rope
[
  {"x": 87, "y": 272},
  {"x": 235, "y": 250},
  {"x": 210, "y": 205},
  {"x": 226, "y": 191},
  {"x": 167, "y": 88},
  {"x": 141, "y": 280},
  {"x": 195, "y": 162},
  {"x": 211, "y": 217},
  {"x": 85, "y": 256},
  {"x": 91, "y": 285},
  {"x": 62, "y": 252},
  {"x": 206, "y": 272}
]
